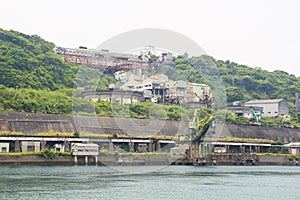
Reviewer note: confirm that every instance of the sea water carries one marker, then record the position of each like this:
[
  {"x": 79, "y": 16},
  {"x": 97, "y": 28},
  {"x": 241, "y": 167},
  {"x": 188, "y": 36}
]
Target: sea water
[{"x": 165, "y": 182}]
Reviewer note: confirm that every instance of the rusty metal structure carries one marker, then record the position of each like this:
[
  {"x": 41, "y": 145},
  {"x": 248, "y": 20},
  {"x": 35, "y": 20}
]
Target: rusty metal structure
[{"x": 105, "y": 61}]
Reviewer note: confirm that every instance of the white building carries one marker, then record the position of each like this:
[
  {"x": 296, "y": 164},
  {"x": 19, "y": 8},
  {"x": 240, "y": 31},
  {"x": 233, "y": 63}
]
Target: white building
[
  {"x": 79, "y": 149},
  {"x": 198, "y": 92},
  {"x": 121, "y": 76},
  {"x": 294, "y": 148},
  {"x": 4, "y": 147},
  {"x": 271, "y": 107},
  {"x": 30, "y": 146},
  {"x": 176, "y": 88}
]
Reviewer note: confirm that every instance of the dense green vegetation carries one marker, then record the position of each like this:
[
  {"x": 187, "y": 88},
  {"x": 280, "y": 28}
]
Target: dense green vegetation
[
  {"x": 38, "y": 101},
  {"x": 242, "y": 83},
  {"x": 30, "y": 62},
  {"x": 61, "y": 102},
  {"x": 34, "y": 79}
]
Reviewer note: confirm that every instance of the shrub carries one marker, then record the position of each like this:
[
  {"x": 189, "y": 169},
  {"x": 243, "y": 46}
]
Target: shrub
[{"x": 48, "y": 154}]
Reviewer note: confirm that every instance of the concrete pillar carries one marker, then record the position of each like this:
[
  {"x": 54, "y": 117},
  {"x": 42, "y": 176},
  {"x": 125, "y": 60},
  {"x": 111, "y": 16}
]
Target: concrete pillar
[
  {"x": 201, "y": 150},
  {"x": 117, "y": 148},
  {"x": 154, "y": 145},
  {"x": 131, "y": 146},
  {"x": 96, "y": 160},
  {"x": 150, "y": 146},
  {"x": 158, "y": 146},
  {"x": 86, "y": 160},
  {"x": 111, "y": 147},
  {"x": 257, "y": 149},
  {"x": 43, "y": 145},
  {"x": 67, "y": 146},
  {"x": 290, "y": 151},
  {"x": 194, "y": 150},
  {"x": 242, "y": 149},
  {"x": 17, "y": 146},
  {"x": 75, "y": 160}
]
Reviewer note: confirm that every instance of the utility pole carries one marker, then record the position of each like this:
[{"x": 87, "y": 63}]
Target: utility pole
[{"x": 296, "y": 105}]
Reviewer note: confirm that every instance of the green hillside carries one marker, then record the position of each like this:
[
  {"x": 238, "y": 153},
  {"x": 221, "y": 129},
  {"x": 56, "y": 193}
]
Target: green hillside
[
  {"x": 29, "y": 62},
  {"x": 245, "y": 83},
  {"x": 241, "y": 82},
  {"x": 34, "y": 79}
]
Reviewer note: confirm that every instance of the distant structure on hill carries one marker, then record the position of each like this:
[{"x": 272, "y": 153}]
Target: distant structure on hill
[
  {"x": 128, "y": 70},
  {"x": 111, "y": 62},
  {"x": 156, "y": 88},
  {"x": 103, "y": 60},
  {"x": 271, "y": 107}
]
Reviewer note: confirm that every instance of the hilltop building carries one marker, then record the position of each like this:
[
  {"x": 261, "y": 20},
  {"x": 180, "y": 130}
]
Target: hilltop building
[
  {"x": 158, "y": 88},
  {"x": 103, "y": 60}
]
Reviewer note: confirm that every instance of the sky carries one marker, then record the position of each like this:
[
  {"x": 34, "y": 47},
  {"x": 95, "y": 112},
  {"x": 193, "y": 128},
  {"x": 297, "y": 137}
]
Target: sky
[{"x": 258, "y": 33}]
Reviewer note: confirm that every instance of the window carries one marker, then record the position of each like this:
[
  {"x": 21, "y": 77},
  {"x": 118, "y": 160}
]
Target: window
[
  {"x": 3, "y": 149},
  {"x": 30, "y": 148}
]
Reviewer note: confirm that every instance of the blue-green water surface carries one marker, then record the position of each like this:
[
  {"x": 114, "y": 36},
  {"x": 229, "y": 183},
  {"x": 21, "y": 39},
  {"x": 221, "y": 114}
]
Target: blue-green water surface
[{"x": 173, "y": 182}]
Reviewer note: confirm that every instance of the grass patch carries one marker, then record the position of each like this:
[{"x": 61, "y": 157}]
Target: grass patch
[
  {"x": 123, "y": 136},
  {"x": 54, "y": 134},
  {"x": 44, "y": 153},
  {"x": 244, "y": 140},
  {"x": 8, "y": 133}
]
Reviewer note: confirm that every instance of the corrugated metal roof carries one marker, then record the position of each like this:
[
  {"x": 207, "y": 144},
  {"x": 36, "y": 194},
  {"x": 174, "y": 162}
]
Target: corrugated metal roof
[{"x": 264, "y": 101}]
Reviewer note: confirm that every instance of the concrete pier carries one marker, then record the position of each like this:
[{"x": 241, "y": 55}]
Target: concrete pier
[
  {"x": 96, "y": 160},
  {"x": 75, "y": 160},
  {"x": 86, "y": 160}
]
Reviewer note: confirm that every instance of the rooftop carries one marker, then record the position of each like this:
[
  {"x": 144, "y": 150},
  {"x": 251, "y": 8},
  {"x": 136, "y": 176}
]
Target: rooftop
[{"x": 264, "y": 101}]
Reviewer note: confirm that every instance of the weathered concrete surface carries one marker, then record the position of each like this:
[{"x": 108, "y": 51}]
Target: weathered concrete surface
[
  {"x": 35, "y": 160},
  {"x": 240, "y": 159},
  {"x": 134, "y": 160},
  {"x": 285, "y": 135},
  {"x": 271, "y": 160},
  {"x": 113, "y": 160},
  {"x": 31, "y": 123},
  {"x": 135, "y": 127}
]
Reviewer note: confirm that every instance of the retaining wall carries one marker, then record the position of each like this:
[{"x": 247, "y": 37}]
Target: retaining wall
[{"x": 31, "y": 123}]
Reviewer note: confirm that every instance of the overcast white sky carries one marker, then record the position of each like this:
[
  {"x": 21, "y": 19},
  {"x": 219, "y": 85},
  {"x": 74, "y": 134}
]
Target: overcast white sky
[{"x": 262, "y": 33}]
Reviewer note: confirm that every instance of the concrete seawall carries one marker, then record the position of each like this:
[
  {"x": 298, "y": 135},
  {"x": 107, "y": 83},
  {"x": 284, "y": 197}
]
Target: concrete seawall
[
  {"x": 111, "y": 160},
  {"x": 31, "y": 123},
  {"x": 35, "y": 160},
  {"x": 137, "y": 160}
]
